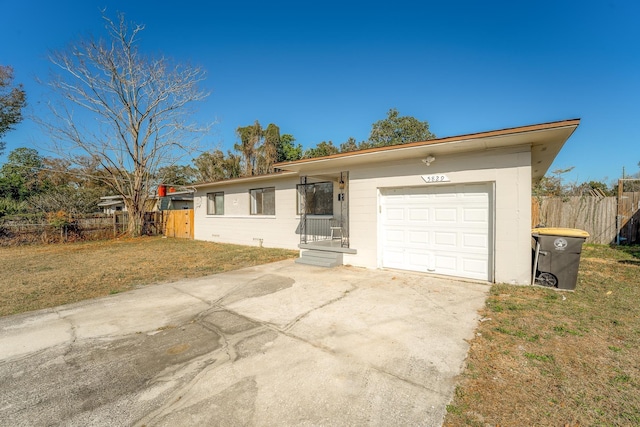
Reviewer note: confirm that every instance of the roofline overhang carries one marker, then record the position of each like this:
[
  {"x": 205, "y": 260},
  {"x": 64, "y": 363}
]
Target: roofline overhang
[
  {"x": 255, "y": 178},
  {"x": 544, "y": 140},
  {"x": 549, "y": 137}
]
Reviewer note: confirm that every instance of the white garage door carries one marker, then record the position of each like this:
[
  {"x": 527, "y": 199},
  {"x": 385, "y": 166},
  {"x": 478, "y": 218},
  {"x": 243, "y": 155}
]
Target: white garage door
[{"x": 437, "y": 229}]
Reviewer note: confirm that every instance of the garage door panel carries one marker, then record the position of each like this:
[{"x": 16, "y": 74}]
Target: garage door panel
[
  {"x": 475, "y": 214},
  {"x": 475, "y": 241},
  {"x": 418, "y": 260},
  {"x": 394, "y": 238},
  {"x": 445, "y": 215},
  {"x": 394, "y": 195},
  {"x": 445, "y": 262},
  {"x": 418, "y": 214},
  {"x": 440, "y": 229},
  {"x": 418, "y": 237},
  {"x": 442, "y": 193},
  {"x": 476, "y": 268},
  {"x": 415, "y": 260},
  {"x": 417, "y": 196},
  {"x": 446, "y": 239},
  {"x": 395, "y": 214}
]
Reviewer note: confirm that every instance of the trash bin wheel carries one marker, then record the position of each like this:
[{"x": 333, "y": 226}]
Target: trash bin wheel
[{"x": 547, "y": 279}]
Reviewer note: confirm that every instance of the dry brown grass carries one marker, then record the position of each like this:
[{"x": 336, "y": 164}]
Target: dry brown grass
[
  {"x": 36, "y": 277},
  {"x": 548, "y": 358}
]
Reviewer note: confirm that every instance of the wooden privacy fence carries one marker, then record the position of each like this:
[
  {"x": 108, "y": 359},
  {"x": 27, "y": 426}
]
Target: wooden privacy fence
[
  {"x": 178, "y": 223},
  {"x": 171, "y": 223},
  {"x": 607, "y": 219},
  {"x": 20, "y": 231}
]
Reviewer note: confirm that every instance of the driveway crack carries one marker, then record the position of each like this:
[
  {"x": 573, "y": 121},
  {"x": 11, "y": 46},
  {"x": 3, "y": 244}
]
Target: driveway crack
[
  {"x": 298, "y": 318},
  {"x": 72, "y": 330},
  {"x": 192, "y": 296}
]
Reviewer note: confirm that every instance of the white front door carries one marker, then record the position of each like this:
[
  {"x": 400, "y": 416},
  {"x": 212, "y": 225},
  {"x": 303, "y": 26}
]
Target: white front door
[{"x": 437, "y": 229}]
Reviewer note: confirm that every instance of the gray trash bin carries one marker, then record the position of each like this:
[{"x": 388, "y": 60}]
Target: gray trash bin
[{"x": 556, "y": 255}]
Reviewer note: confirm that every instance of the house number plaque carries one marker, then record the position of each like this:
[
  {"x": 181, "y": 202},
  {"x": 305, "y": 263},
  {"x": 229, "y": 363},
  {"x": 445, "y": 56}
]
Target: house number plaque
[{"x": 436, "y": 178}]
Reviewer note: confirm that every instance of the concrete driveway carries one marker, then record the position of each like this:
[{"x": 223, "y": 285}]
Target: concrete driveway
[{"x": 278, "y": 344}]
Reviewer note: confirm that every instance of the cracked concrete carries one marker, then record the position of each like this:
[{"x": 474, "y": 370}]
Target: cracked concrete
[{"x": 278, "y": 344}]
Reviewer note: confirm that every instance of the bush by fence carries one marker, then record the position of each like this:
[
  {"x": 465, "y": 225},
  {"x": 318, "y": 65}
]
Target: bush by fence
[
  {"x": 60, "y": 228},
  {"x": 20, "y": 230}
]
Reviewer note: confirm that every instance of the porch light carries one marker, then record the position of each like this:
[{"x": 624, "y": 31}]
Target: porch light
[{"x": 430, "y": 159}]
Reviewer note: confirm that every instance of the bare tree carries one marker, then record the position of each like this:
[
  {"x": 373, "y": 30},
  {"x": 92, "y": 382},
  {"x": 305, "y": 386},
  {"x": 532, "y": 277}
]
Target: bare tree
[{"x": 134, "y": 111}]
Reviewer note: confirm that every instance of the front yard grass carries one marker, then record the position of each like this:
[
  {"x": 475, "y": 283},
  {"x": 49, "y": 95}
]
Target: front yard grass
[
  {"x": 549, "y": 358},
  {"x": 36, "y": 277}
]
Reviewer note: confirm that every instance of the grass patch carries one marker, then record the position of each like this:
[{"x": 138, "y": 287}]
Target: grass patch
[
  {"x": 36, "y": 277},
  {"x": 558, "y": 358}
]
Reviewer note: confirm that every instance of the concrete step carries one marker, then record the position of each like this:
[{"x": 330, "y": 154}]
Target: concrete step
[{"x": 320, "y": 258}]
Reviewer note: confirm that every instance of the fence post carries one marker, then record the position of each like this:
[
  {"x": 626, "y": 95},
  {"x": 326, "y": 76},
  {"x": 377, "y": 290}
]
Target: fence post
[{"x": 619, "y": 211}]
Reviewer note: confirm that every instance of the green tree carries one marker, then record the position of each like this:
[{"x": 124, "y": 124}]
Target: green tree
[
  {"x": 143, "y": 104},
  {"x": 12, "y": 207},
  {"x": 547, "y": 186},
  {"x": 214, "y": 166},
  {"x": 268, "y": 150},
  {"x": 321, "y": 150},
  {"x": 12, "y": 101},
  {"x": 287, "y": 151},
  {"x": 396, "y": 129},
  {"x": 350, "y": 145},
  {"x": 596, "y": 188},
  {"x": 250, "y": 138},
  {"x": 177, "y": 175},
  {"x": 22, "y": 175}
]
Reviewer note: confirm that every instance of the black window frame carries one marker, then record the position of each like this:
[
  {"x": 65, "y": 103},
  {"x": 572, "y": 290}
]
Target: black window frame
[{"x": 314, "y": 208}]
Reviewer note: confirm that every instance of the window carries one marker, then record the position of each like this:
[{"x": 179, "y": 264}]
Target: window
[
  {"x": 263, "y": 201},
  {"x": 318, "y": 198},
  {"x": 215, "y": 203}
]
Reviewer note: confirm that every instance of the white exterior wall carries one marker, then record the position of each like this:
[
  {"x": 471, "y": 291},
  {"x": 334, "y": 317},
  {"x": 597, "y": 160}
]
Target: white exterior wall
[
  {"x": 508, "y": 170},
  {"x": 238, "y": 226}
]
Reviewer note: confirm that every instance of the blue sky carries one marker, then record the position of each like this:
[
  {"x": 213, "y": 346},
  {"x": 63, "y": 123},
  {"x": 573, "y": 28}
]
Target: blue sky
[{"x": 328, "y": 70}]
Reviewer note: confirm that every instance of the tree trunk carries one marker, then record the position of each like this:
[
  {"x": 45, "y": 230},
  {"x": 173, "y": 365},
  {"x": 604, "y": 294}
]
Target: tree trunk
[{"x": 135, "y": 224}]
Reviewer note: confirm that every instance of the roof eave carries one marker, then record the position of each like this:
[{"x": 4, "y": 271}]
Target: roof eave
[
  {"x": 255, "y": 178},
  {"x": 556, "y": 133}
]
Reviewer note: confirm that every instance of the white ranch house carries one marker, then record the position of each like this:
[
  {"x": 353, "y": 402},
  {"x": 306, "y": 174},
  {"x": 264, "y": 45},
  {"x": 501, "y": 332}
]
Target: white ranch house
[{"x": 457, "y": 206}]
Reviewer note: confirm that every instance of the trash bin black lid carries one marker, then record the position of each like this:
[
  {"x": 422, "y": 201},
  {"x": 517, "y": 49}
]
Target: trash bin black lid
[{"x": 566, "y": 232}]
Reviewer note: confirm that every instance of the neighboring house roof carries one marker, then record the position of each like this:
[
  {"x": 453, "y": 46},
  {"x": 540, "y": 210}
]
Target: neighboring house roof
[
  {"x": 174, "y": 195},
  {"x": 110, "y": 203}
]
